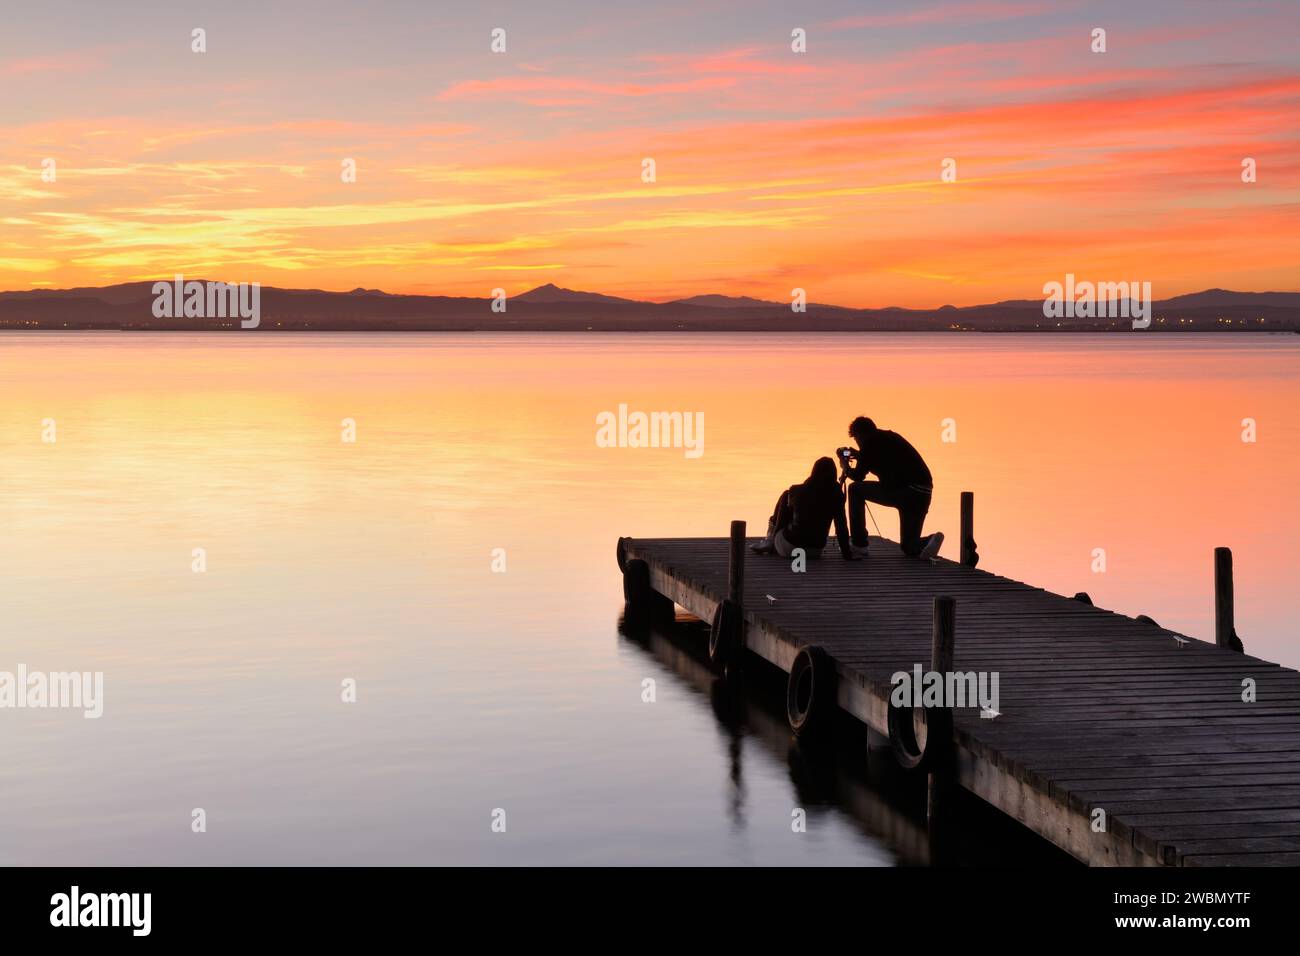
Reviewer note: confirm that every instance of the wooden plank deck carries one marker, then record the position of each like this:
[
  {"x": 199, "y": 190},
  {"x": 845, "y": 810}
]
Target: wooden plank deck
[{"x": 1097, "y": 710}]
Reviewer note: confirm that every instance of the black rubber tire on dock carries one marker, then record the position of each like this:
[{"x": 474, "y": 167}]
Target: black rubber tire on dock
[
  {"x": 909, "y": 754},
  {"x": 726, "y": 636},
  {"x": 810, "y": 691},
  {"x": 620, "y": 553},
  {"x": 637, "y": 591}
]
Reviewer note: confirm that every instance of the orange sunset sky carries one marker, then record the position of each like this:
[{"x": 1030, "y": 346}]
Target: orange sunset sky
[{"x": 775, "y": 169}]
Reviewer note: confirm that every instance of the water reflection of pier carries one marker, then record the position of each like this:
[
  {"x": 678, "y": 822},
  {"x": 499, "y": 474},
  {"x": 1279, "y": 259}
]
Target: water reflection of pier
[{"x": 853, "y": 773}]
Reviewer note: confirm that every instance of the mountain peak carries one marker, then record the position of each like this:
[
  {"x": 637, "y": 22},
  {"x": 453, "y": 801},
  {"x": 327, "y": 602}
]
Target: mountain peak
[{"x": 554, "y": 293}]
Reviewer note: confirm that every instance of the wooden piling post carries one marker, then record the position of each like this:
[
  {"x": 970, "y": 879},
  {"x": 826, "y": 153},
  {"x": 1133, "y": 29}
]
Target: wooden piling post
[
  {"x": 969, "y": 556},
  {"x": 727, "y": 633},
  {"x": 943, "y": 768},
  {"x": 942, "y": 637},
  {"x": 1225, "y": 631},
  {"x": 736, "y": 564}
]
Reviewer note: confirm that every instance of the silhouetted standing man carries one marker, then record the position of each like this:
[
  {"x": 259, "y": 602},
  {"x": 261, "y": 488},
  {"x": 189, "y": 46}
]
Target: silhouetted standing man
[{"x": 905, "y": 484}]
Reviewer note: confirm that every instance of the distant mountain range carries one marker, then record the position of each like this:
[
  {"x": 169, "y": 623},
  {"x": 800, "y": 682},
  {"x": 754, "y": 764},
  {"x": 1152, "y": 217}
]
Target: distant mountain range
[{"x": 548, "y": 308}]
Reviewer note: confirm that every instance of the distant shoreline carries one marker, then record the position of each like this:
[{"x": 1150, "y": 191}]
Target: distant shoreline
[
  {"x": 133, "y": 307},
  {"x": 1245, "y": 332}
]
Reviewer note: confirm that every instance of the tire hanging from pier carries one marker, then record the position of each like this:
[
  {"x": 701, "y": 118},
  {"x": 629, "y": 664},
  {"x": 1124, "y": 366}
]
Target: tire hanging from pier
[
  {"x": 908, "y": 752},
  {"x": 810, "y": 691}
]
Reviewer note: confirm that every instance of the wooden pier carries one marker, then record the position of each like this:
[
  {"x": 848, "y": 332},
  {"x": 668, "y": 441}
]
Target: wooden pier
[{"x": 1121, "y": 742}]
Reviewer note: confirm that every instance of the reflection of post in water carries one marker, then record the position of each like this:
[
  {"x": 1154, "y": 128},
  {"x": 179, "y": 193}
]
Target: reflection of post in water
[
  {"x": 663, "y": 639},
  {"x": 729, "y": 709}
]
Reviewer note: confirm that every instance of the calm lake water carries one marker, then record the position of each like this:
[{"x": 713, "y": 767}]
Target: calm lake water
[{"x": 477, "y": 690}]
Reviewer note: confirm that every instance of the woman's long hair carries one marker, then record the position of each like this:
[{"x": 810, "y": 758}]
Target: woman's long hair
[{"x": 823, "y": 476}]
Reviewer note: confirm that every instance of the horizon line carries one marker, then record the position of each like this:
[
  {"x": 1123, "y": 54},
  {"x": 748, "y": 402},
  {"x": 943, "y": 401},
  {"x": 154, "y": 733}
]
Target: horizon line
[{"x": 667, "y": 301}]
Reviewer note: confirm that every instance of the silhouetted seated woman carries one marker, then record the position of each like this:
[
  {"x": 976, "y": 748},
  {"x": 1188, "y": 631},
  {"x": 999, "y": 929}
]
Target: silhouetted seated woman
[{"x": 804, "y": 515}]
